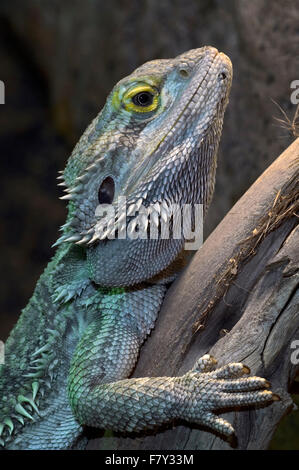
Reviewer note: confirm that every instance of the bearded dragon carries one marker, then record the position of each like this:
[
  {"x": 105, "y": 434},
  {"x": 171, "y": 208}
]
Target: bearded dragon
[{"x": 70, "y": 355}]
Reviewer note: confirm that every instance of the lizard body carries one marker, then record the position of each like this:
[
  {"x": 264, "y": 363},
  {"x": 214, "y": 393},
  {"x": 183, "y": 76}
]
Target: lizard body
[{"x": 69, "y": 358}]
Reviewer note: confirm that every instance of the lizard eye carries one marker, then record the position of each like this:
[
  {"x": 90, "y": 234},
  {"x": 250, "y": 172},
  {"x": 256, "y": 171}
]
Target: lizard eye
[{"x": 142, "y": 98}]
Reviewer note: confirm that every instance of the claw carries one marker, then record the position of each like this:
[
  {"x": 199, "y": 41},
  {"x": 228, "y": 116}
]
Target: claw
[{"x": 267, "y": 384}]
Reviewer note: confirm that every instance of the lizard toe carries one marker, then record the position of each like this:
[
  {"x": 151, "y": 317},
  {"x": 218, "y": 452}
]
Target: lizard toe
[{"x": 205, "y": 363}]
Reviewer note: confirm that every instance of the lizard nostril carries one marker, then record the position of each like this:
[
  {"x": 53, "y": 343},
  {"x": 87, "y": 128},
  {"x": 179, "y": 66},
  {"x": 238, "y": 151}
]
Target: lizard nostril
[
  {"x": 106, "y": 191},
  {"x": 184, "y": 72},
  {"x": 222, "y": 76}
]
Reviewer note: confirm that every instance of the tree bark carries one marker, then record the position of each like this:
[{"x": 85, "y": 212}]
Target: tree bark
[{"x": 239, "y": 300}]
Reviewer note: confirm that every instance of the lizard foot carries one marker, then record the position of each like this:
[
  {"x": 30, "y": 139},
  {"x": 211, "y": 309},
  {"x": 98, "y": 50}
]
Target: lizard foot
[{"x": 205, "y": 389}]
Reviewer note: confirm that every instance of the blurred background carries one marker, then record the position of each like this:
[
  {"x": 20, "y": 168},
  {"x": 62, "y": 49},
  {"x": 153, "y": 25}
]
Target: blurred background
[{"x": 60, "y": 59}]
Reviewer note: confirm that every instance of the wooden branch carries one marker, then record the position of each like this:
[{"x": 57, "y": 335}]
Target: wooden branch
[{"x": 239, "y": 300}]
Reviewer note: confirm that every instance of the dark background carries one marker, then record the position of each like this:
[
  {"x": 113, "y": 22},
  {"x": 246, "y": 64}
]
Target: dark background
[{"x": 59, "y": 60}]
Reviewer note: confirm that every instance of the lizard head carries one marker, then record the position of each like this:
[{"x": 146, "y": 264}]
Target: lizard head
[{"x": 155, "y": 141}]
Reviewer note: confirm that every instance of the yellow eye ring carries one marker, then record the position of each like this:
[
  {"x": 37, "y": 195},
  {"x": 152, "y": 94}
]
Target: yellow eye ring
[{"x": 141, "y": 99}]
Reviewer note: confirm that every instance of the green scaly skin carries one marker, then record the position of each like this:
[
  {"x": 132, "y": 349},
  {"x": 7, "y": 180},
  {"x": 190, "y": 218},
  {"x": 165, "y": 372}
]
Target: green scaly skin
[{"x": 69, "y": 357}]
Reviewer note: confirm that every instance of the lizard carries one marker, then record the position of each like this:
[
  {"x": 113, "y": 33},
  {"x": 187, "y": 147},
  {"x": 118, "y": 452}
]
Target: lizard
[{"x": 70, "y": 356}]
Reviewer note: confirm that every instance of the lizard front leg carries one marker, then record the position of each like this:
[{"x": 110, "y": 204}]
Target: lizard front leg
[{"x": 101, "y": 395}]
